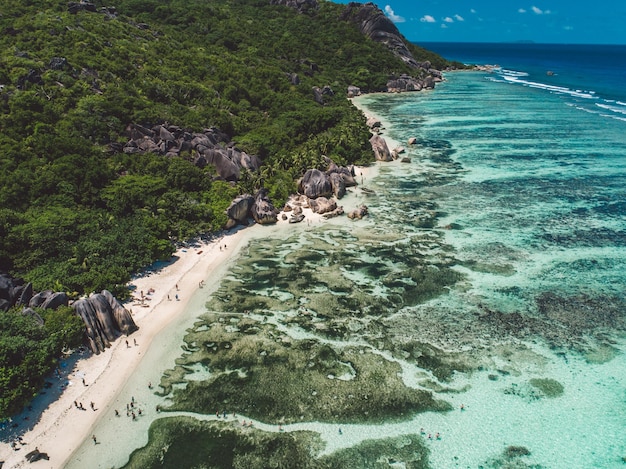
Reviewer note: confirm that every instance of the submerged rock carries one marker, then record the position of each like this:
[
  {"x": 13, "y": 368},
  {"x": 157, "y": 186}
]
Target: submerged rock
[{"x": 358, "y": 212}]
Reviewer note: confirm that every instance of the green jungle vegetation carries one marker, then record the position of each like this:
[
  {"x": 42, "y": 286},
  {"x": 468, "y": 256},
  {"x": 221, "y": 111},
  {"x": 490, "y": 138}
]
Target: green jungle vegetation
[
  {"x": 79, "y": 218},
  {"x": 76, "y": 216},
  {"x": 29, "y": 351}
]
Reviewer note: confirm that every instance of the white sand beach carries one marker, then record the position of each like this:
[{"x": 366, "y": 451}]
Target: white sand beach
[{"x": 61, "y": 428}]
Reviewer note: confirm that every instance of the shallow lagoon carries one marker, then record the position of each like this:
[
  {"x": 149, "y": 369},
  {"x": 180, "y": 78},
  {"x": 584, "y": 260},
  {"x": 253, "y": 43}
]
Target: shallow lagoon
[{"x": 481, "y": 300}]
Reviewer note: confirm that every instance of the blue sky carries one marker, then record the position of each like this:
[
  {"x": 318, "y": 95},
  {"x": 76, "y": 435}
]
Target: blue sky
[{"x": 542, "y": 21}]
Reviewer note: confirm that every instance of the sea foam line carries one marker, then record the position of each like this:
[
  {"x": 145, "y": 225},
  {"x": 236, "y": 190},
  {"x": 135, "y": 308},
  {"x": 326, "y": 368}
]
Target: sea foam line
[
  {"x": 556, "y": 89},
  {"x": 618, "y": 109}
]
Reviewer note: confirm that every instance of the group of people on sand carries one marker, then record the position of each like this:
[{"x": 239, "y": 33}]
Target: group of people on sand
[
  {"x": 18, "y": 441},
  {"x": 134, "y": 342},
  {"x": 132, "y": 410}
]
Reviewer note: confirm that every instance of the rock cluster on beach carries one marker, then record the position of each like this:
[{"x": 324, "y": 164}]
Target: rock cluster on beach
[
  {"x": 317, "y": 190},
  {"x": 104, "y": 316},
  {"x": 105, "y": 319}
]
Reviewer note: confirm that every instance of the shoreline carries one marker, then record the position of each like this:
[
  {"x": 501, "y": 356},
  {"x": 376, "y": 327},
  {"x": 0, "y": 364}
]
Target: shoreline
[{"x": 60, "y": 428}]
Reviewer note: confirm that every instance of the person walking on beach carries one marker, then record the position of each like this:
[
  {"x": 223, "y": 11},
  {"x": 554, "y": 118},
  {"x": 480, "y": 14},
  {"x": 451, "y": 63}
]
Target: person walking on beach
[{"x": 95, "y": 440}]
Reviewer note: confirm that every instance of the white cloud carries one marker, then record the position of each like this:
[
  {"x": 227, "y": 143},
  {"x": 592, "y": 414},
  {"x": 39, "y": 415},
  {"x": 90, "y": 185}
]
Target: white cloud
[
  {"x": 447, "y": 19},
  {"x": 444, "y": 26},
  {"x": 521, "y": 10},
  {"x": 568, "y": 28},
  {"x": 472, "y": 11},
  {"x": 392, "y": 16},
  {"x": 459, "y": 18},
  {"x": 537, "y": 11},
  {"x": 428, "y": 19}
]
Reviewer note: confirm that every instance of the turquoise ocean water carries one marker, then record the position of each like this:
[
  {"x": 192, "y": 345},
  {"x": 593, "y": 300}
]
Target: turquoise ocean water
[
  {"x": 490, "y": 273},
  {"x": 527, "y": 170}
]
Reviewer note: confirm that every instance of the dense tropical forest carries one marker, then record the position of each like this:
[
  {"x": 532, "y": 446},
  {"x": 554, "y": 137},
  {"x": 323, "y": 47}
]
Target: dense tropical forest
[
  {"x": 78, "y": 215},
  {"x": 75, "y": 216}
]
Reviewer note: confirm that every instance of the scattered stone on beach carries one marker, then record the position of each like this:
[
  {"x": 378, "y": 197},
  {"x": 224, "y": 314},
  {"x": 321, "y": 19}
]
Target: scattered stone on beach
[
  {"x": 36, "y": 455},
  {"x": 358, "y": 213},
  {"x": 296, "y": 218},
  {"x": 412, "y": 141},
  {"x": 374, "y": 123},
  {"x": 335, "y": 213},
  {"x": 323, "y": 205}
]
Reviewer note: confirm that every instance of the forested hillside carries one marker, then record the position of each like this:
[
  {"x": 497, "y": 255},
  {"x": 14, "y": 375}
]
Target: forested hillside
[{"x": 76, "y": 213}]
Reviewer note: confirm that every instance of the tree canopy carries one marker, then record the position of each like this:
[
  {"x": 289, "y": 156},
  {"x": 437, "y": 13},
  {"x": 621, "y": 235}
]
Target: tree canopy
[{"x": 74, "y": 213}]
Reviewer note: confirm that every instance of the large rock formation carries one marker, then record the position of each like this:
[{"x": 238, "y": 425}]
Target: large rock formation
[
  {"x": 48, "y": 300},
  {"x": 104, "y": 316},
  {"x": 301, "y": 5},
  {"x": 320, "y": 93},
  {"x": 374, "y": 24},
  {"x": 121, "y": 315},
  {"x": 210, "y": 147},
  {"x": 338, "y": 184},
  {"x": 239, "y": 210},
  {"x": 381, "y": 150},
  {"x": 315, "y": 184},
  {"x": 346, "y": 173},
  {"x": 105, "y": 320},
  {"x": 14, "y": 292},
  {"x": 263, "y": 211},
  {"x": 404, "y": 83},
  {"x": 10, "y": 290}
]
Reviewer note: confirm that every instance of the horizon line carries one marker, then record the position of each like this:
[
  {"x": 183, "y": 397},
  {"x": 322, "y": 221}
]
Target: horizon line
[{"x": 520, "y": 42}]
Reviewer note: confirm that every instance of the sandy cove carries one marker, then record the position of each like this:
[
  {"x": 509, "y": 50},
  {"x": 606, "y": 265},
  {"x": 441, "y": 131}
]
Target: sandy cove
[{"x": 61, "y": 428}]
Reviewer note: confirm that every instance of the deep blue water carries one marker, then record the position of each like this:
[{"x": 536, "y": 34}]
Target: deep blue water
[{"x": 596, "y": 74}]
